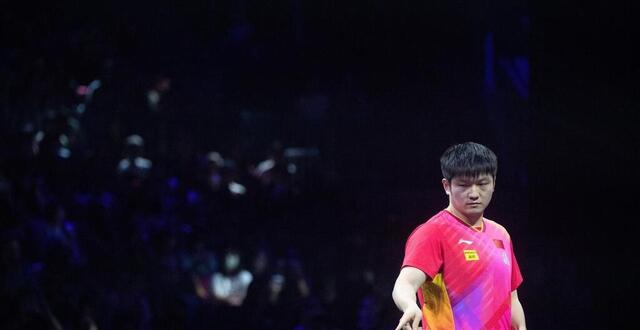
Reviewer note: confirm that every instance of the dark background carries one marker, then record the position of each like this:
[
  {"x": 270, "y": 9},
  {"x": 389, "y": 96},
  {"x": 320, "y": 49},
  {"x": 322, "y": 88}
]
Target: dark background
[{"x": 376, "y": 90}]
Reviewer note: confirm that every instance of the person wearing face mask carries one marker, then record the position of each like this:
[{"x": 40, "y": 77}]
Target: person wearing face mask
[
  {"x": 229, "y": 290},
  {"x": 230, "y": 286}
]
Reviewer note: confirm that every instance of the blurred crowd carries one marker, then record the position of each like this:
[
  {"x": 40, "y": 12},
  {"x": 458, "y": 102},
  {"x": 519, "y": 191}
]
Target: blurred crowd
[
  {"x": 125, "y": 221},
  {"x": 123, "y": 209}
]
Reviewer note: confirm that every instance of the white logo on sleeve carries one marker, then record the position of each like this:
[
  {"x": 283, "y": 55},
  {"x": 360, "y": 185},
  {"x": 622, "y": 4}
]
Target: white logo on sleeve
[
  {"x": 505, "y": 258},
  {"x": 465, "y": 241}
]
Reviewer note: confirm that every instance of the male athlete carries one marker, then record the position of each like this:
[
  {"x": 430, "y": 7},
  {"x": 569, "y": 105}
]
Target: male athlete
[{"x": 461, "y": 264}]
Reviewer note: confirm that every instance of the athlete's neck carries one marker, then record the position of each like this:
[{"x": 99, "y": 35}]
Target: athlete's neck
[{"x": 471, "y": 221}]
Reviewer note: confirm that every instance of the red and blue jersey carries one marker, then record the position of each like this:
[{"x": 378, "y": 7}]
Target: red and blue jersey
[{"x": 472, "y": 273}]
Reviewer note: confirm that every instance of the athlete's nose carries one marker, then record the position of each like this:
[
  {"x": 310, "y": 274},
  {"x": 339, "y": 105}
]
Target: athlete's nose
[{"x": 474, "y": 194}]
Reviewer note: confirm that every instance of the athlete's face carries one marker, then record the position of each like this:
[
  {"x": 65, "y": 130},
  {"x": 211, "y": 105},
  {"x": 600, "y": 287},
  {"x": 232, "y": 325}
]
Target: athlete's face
[{"x": 470, "y": 195}]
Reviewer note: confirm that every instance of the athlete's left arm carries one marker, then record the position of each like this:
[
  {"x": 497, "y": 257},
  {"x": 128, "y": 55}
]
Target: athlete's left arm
[{"x": 517, "y": 312}]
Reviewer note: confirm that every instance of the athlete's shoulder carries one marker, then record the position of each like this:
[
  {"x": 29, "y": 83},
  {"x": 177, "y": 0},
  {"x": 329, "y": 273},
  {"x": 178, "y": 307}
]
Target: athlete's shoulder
[
  {"x": 496, "y": 226},
  {"x": 429, "y": 226}
]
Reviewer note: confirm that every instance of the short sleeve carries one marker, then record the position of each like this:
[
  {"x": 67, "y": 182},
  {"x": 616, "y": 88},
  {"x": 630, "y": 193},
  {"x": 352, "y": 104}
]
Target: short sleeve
[
  {"x": 516, "y": 276},
  {"x": 424, "y": 250}
]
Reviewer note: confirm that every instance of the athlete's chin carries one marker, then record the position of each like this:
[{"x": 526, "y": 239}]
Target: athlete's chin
[{"x": 474, "y": 209}]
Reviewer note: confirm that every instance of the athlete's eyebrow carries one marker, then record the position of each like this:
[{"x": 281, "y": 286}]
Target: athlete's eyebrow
[{"x": 466, "y": 180}]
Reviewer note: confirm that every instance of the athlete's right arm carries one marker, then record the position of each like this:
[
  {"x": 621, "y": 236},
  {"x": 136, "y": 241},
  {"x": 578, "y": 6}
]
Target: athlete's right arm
[{"x": 404, "y": 295}]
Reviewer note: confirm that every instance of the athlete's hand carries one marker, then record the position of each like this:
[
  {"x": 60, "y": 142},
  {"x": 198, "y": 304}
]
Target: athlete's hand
[{"x": 411, "y": 318}]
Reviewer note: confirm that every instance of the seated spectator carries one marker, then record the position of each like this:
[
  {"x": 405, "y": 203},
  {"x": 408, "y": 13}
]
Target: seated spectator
[
  {"x": 273, "y": 171},
  {"x": 219, "y": 176},
  {"x": 134, "y": 165},
  {"x": 230, "y": 286},
  {"x": 229, "y": 290},
  {"x": 279, "y": 298}
]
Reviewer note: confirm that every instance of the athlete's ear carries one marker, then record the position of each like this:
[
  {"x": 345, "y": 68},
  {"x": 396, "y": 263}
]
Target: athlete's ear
[{"x": 447, "y": 186}]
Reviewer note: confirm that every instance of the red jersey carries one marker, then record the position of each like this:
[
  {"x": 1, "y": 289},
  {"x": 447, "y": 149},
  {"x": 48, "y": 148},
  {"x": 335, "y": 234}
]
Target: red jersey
[{"x": 471, "y": 273}]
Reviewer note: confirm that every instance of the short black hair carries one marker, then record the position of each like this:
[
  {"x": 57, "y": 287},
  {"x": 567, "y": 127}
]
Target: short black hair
[{"x": 468, "y": 159}]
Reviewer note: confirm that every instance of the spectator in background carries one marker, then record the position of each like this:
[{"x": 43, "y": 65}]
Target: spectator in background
[
  {"x": 229, "y": 289},
  {"x": 280, "y": 297},
  {"x": 230, "y": 286},
  {"x": 213, "y": 175},
  {"x": 52, "y": 149},
  {"x": 225, "y": 200},
  {"x": 274, "y": 175},
  {"x": 159, "y": 88},
  {"x": 219, "y": 176},
  {"x": 134, "y": 167},
  {"x": 133, "y": 171},
  {"x": 162, "y": 120}
]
